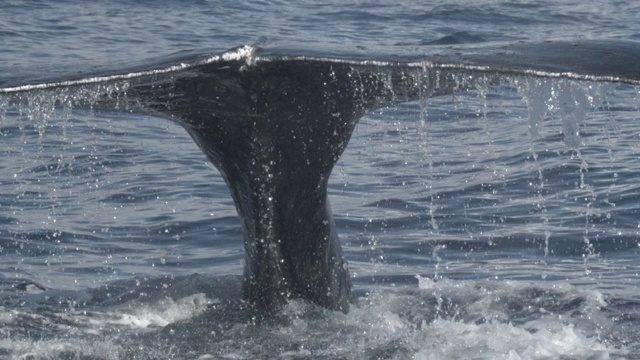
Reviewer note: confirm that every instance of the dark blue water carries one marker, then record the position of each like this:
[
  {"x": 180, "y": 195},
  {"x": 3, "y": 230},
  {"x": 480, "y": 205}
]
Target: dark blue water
[{"x": 497, "y": 222}]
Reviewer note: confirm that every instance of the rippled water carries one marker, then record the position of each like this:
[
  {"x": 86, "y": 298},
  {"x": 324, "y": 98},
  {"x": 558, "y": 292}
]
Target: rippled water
[{"x": 496, "y": 222}]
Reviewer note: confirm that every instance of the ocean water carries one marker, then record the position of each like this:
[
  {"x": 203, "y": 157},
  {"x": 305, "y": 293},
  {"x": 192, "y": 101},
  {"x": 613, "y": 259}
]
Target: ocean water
[{"x": 497, "y": 221}]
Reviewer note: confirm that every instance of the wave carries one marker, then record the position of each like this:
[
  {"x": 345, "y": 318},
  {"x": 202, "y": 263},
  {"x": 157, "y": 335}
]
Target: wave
[{"x": 204, "y": 317}]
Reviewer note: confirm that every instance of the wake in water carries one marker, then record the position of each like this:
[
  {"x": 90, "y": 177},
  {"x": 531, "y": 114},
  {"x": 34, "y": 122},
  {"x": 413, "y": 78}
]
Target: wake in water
[{"x": 204, "y": 318}]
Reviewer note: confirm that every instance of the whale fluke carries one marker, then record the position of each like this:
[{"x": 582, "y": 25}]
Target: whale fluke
[
  {"x": 275, "y": 126},
  {"x": 275, "y": 129}
]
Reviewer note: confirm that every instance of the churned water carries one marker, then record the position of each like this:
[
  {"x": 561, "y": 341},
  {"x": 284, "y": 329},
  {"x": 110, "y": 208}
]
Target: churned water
[{"x": 497, "y": 222}]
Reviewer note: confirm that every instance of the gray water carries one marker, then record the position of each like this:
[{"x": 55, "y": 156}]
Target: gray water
[{"x": 498, "y": 222}]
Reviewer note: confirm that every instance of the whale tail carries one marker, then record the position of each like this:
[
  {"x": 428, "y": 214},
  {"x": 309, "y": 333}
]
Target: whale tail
[
  {"x": 275, "y": 129},
  {"x": 274, "y": 133}
]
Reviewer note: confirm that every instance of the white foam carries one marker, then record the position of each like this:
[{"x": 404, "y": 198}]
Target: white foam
[
  {"x": 57, "y": 348},
  {"x": 446, "y": 319},
  {"x": 549, "y": 336},
  {"x": 446, "y": 339},
  {"x": 7, "y": 316},
  {"x": 451, "y": 319},
  {"x": 155, "y": 315}
]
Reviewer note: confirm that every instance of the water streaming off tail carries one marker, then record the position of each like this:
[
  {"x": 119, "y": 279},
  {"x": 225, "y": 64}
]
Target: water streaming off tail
[
  {"x": 522, "y": 163},
  {"x": 519, "y": 197}
]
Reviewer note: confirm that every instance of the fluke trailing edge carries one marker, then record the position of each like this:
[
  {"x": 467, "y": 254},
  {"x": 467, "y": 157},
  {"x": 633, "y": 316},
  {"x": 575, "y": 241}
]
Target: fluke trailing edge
[{"x": 275, "y": 126}]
